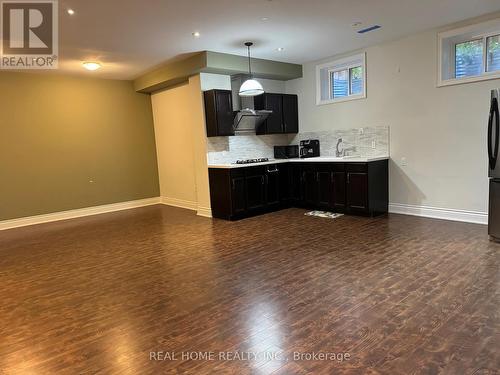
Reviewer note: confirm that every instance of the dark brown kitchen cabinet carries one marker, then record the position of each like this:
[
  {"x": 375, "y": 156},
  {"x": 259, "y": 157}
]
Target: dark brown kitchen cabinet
[
  {"x": 285, "y": 187},
  {"x": 339, "y": 188},
  {"x": 238, "y": 194},
  {"x": 219, "y": 115},
  {"x": 316, "y": 186},
  {"x": 324, "y": 178},
  {"x": 285, "y": 116},
  {"x": 290, "y": 114},
  {"x": 273, "y": 181},
  {"x": 357, "y": 188},
  {"x": 357, "y": 192},
  {"x": 295, "y": 183},
  {"x": 245, "y": 191},
  {"x": 256, "y": 190},
  {"x": 274, "y": 122},
  {"x": 351, "y": 188},
  {"x": 309, "y": 186}
]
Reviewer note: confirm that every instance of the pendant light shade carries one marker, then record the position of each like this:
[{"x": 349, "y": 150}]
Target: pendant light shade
[{"x": 250, "y": 87}]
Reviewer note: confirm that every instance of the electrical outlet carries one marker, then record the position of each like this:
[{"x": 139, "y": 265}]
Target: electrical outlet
[
  {"x": 404, "y": 162},
  {"x": 374, "y": 144}
]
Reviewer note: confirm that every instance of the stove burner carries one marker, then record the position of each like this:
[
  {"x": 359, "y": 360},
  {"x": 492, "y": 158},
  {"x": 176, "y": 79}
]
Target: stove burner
[{"x": 252, "y": 161}]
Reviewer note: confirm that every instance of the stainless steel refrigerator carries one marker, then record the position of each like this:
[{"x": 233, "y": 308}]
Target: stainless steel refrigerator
[{"x": 494, "y": 167}]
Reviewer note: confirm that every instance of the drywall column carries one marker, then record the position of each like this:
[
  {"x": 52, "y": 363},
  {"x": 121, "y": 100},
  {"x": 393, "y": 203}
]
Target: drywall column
[
  {"x": 181, "y": 146},
  {"x": 199, "y": 147}
]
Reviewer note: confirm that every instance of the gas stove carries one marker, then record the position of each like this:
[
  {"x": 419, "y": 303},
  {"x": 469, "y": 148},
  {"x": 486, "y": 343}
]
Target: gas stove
[{"x": 252, "y": 161}]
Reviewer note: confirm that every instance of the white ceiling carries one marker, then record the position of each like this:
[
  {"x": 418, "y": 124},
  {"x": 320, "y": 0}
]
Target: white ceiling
[{"x": 132, "y": 36}]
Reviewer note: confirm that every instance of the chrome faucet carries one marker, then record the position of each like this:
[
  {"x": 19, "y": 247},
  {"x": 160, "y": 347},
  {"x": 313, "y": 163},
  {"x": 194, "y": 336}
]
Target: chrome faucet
[{"x": 341, "y": 150}]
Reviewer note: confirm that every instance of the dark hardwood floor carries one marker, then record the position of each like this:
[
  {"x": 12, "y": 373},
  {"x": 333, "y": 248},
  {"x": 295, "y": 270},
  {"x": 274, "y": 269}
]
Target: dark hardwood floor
[{"x": 399, "y": 294}]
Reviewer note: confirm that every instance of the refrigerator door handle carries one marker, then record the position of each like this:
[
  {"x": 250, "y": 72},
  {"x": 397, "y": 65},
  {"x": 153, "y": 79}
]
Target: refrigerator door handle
[
  {"x": 494, "y": 117},
  {"x": 490, "y": 128}
]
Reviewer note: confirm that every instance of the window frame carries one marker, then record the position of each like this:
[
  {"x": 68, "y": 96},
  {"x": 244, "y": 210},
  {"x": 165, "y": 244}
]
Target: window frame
[
  {"x": 331, "y": 72},
  {"x": 486, "y": 53},
  {"x": 450, "y": 39},
  {"x": 346, "y": 63}
]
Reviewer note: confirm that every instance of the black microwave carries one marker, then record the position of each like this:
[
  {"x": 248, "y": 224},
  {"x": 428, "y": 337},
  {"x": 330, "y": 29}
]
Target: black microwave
[{"x": 286, "y": 152}]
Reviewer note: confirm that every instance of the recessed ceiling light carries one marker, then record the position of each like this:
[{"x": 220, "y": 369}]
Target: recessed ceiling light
[
  {"x": 71, "y": 12},
  {"x": 90, "y": 65},
  {"x": 280, "y": 49},
  {"x": 264, "y": 19},
  {"x": 357, "y": 24},
  {"x": 196, "y": 34}
]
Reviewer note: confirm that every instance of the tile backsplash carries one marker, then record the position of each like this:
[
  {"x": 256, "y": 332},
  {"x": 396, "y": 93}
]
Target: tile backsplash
[
  {"x": 359, "y": 140},
  {"x": 222, "y": 150}
]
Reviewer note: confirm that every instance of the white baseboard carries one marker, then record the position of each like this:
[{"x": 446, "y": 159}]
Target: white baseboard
[
  {"x": 440, "y": 213},
  {"x": 204, "y": 211},
  {"x": 72, "y": 214},
  {"x": 188, "y": 205}
]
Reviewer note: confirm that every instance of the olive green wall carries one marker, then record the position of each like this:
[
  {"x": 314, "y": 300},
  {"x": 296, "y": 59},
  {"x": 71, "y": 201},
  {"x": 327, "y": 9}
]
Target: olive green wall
[{"x": 69, "y": 142}]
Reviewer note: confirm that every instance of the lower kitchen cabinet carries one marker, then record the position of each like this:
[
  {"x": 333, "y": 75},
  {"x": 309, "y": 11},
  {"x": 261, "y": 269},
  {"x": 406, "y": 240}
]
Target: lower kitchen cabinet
[
  {"x": 273, "y": 186},
  {"x": 351, "y": 188},
  {"x": 295, "y": 180},
  {"x": 241, "y": 192},
  {"x": 357, "y": 189},
  {"x": 238, "y": 191},
  {"x": 324, "y": 183},
  {"x": 339, "y": 188},
  {"x": 255, "y": 190},
  {"x": 309, "y": 186}
]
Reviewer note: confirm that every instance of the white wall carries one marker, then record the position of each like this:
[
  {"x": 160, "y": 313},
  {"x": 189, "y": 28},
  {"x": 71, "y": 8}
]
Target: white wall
[
  {"x": 440, "y": 131},
  {"x": 210, "y": 81}
]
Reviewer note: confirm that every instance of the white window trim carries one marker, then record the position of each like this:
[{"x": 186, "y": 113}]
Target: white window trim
[
  {"x": 337, "y": 65},
  {"x": 485, "y": 76}
]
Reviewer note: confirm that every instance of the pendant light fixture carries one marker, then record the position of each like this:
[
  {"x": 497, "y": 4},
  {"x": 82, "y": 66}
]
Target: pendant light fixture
[{"x": 250, "y": 87}]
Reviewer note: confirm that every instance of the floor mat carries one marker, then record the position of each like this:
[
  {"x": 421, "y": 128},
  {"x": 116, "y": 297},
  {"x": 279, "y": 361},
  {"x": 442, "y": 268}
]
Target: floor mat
[{"x": 325, "y": 214}]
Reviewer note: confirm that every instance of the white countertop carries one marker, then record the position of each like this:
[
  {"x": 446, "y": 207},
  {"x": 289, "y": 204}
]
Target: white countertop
[{"x": 320, "y": 159}]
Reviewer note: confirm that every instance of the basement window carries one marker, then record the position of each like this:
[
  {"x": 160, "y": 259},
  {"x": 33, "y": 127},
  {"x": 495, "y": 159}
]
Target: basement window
[
  {"x": 341, "y": 80},
  {"x": 469, "y": 54}
]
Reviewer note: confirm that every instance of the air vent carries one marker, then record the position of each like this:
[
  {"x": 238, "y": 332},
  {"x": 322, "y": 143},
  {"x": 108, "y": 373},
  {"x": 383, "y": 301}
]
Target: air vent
[{"x": 368, "y": 29}]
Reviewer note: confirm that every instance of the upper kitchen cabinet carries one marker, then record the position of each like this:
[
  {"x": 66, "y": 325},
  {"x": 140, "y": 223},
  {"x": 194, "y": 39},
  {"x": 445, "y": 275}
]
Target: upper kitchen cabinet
[
  {"x": 285, "y": 116},
  {"x": 290, "y": 114},
  {"x": 219, "y": 113}
]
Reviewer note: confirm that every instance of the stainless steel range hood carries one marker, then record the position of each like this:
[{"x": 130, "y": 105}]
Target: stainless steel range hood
[{"x": 247, "y": 119}]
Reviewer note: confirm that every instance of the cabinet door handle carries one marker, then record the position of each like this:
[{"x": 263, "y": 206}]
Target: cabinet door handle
[
  {"x": 262, "y": 180},
  {"x": 232, "y": 183},
  {"x": 348, "y": 178}
]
